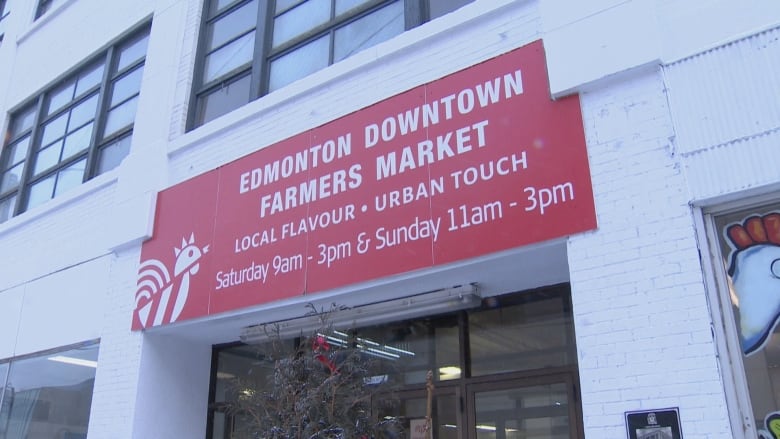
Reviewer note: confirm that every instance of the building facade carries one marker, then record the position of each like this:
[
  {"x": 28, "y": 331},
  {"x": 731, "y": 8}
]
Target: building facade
[{"x": 566, "y": 204}]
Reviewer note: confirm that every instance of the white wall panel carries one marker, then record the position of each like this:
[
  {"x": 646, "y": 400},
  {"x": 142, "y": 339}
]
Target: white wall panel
[
  {"x": 64, "y": 308},
  {"x": 726, "y": 115},
  {"x": 727, "y": 93}
]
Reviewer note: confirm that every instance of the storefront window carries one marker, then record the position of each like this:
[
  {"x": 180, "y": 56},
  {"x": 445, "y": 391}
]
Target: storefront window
[
  {"x": 49, "y": 396},
  {"x": 520, "y": 344},
  {"x": 749, "y": 243}
]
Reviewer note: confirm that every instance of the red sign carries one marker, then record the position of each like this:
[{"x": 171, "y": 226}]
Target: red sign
[{"x": 474, "y": 163}]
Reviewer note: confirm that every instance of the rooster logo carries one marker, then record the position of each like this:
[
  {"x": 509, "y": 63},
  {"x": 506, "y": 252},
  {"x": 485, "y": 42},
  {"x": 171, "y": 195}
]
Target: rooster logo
[
  {"x": 153, "y": 296},
  {"x": 755, "y": 274}
]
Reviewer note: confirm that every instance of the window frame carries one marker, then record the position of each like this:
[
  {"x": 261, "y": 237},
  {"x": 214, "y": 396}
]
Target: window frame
[
  {"x": 725, "y": 331},
  {"x": 98, "y": 142},
  {"x": 416, "y": 12}
]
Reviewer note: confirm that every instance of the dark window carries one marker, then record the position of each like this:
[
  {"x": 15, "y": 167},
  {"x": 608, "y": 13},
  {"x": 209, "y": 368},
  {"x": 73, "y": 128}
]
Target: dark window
[
  {"x": 44, "y": 6},
  {"x": 78, "y": 128},
  {"x": 4, "y": 11},
  {"x": 252, "y": 47}
]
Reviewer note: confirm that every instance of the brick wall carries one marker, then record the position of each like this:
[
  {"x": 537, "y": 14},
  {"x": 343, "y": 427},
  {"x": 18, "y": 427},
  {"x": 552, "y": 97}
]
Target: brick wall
[{"x": 640, "y": 310}]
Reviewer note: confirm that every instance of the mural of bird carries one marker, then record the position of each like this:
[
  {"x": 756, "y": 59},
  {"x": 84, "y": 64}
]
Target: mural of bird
[{"x": 755, "y": 274}]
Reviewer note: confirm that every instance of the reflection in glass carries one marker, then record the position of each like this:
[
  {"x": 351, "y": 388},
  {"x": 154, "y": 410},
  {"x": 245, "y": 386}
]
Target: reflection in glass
[
  {"x": 89, "y": 79},
  {"x": 18, "y": 151},
  {"x": 40, "y": 192},
  {"x": 47, "y": 157},
  {"x": 232, "y": 56},
  {"x": 369, "y": 31},
  {"x": 54, "y": 129},
  {"x": 61, "y": 96},
  {"x": 23, "y": 121},
  {"x": 299, "y": 20},
  {"x": 49, "y": 396},
  {"x": 530, "y": 335},
  {"x": 224, "y": 99},
  {"x": 112, "y": 154},
  {"x": 11, "y": 178},
  {"x": 235, "y": 23},
  {"x": 410, "y": 349},
  {"x": 77, "y": 141},
  {"x": 133, "y": 52},
  {"x": 282, "y": 5},
  {"x": 127, "y": 86},
  {"x": 70, "y": 177},
  {"x": 410, "y": 412},
  {"x": 525, "y": 412},
  {"x": 120, "y": 117},
  {"x": 343, "y": 6},
  {"x": 7, "y": 208},
  {"x": 83, "y": 112},
  {"x": 299, "y": 63}
]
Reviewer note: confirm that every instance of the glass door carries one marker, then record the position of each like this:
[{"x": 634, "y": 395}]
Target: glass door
[{"x": 532, "y": 408}]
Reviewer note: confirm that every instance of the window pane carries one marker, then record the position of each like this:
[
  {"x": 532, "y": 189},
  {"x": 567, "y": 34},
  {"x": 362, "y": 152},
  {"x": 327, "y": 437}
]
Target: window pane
[
  {"x": 224, "y": 99},
  {"x": 132, "y": 52},
  {"x": 282, "y": 5},
  {"x": 54, "y": 129},
  {"x": 18, "y": 151},
  {"x": 41, "y": 192},
  {"x": 47, "y": 157},
  {"x": 441, "y": 7},
  {"x": 410, "y": 349},
  {"x": 77, "y": 141},
  {"x": 343, "y": 6},
  {"x": 51, "y": 394},
  {"x": 531, "y": 335},
  {"x": 113, "y": 154},
  {"x": 70, "y": 177},
  {"x": 233, "y": 24},
  {"x": 233, "y": 55},
  {"x": 369, "y": 30},
  {"x": 302, "y": 62},
  {"x": 61, "y": 96},
  {"x": 6, "y": 212},
  {"x": 11, "y": 178},
  {"x": 89, "y": 79},
  {"x": 524, "y": 412},
  {"x": 120, "y": 117},
  {"x": 127, "y": 86},
  {"x": 218, "y": 5},
  {"x": 83, "y": 113},
  {"x": 302, "y": 18},
  {"x": 22, "y": 121}
]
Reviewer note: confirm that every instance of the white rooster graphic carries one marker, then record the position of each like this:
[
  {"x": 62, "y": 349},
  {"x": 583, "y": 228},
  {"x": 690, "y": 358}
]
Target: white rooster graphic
[
  {"x": 755, "y": 274},
  {"x": 155, "y": 285}
]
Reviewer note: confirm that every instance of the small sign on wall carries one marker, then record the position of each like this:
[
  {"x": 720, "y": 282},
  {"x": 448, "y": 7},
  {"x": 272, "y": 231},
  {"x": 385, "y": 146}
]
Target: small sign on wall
[{"x": 654, "y": 424}]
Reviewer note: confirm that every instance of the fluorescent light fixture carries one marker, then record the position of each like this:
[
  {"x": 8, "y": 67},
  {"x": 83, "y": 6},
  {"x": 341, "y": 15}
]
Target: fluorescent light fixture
[
  {"x": 433, "y": 302},
  {"x": 74, "y": 361},
  {"x": 449, "y": 372}
]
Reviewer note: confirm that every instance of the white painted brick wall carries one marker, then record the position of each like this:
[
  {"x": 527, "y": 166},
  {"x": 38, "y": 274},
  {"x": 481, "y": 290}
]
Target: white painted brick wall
[{"x": 640, "y": 311}]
